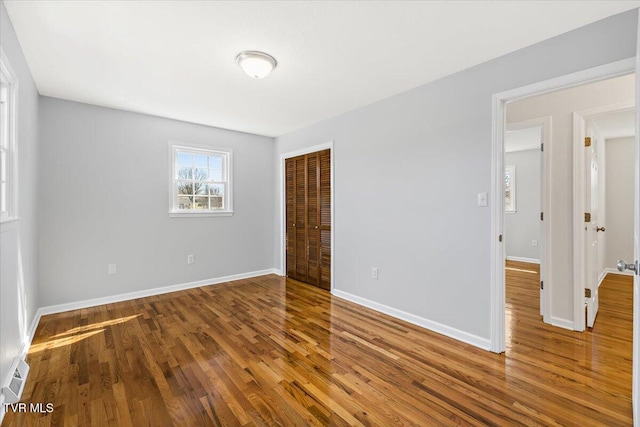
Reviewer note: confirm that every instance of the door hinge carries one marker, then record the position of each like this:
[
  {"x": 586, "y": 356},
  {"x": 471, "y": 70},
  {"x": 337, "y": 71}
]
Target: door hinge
[
  {"x": 587, "y": 141},
  {"x": 500, "y": 238},
  {"x": 541, "y": 216},
  {"x": 542, "y": 146},
  {"x": 587, "y": 217},
  {"x": 587, "y": 293},
  {"x": 541, "y": 284}
]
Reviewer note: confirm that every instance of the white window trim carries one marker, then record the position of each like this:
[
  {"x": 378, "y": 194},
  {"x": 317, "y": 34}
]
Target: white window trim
[
  {"x": 12, "y": 154},
  {"x": 176, "y": 213}
]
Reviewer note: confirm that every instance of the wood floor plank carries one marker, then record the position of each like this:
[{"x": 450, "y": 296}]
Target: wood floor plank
[{"x": 276, "y": 352}]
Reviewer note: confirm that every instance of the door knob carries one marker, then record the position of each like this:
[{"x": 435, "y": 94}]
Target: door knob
[
  {"x": 622, "y": 266},
  {"x": 600, "y": 229}
]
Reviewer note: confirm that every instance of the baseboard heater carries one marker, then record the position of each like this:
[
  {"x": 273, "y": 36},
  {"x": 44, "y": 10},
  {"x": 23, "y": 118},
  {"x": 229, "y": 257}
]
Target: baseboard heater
[{"x": 19, "y": 370}]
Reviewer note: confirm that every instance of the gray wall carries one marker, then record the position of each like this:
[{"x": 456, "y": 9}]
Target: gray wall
[
  {"x": 561, "y": 105},
  {"x": 523, "y": 226},
  {"x": 429, "y": 150},
  {"x": 18, "y": 240},
  {"x": 105, "y": 200},
  {"x": 619, "y": 200}
]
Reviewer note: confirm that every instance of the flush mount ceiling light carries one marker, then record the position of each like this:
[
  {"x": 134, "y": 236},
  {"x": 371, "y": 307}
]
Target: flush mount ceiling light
[{"x": 257, "y": 65}]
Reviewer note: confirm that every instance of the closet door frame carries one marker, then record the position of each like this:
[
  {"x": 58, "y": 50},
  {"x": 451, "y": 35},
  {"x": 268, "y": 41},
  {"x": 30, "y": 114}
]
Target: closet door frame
[{"x": 283, "y": 208}]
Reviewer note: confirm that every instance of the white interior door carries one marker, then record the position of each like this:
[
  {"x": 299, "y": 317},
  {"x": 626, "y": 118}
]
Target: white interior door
[{"x": 591, "y": 227}]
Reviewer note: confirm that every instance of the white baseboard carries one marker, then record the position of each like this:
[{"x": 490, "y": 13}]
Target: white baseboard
[
  {"x": 609, "y": 270},
  {"x": 523, "y": 259},
  {"x": 483, "y": 343},
  {"x": 562, "y": 323},
  {"x": 59, "y": 308},
  {"x": 602, "y": 276}
]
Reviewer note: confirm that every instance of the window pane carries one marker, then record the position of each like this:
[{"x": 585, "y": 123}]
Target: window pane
[
  {"x": 184, "y": 202},
  {"x": 216, "y": 189},
  {"x": 199, "y": 188},
  {"x": 200, "y": 160},
  {"x": 185, "y": 187},
  {"x": 201, "y": 203},
  {"x": 201, "y": 175},
  {"x": 217, "y": 202},
  {"x": 215, "y": 175},
  {"x": 185, "y": 159},
  {"x": 185, "y": 173},
  {"x": 215, "y": 162}
]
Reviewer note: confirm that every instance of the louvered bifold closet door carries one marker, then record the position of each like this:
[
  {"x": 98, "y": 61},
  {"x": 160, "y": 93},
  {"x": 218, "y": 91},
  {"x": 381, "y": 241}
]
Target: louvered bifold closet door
[
  {"x": 290, "y": 186},
  {"x": 324, "y": 207},
  {"x": 313, "y": 219},
  {"x": 308, "y": 218},
  {"x": 300, "y": 218}
]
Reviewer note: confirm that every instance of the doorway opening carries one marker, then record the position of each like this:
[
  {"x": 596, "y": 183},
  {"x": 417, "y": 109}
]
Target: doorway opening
[
  {"x": 559, "y": 268},
  {"x": 567, "y": 219},
  {"x": 525, "y": 202},
  {"x": 603, "y": 189}
]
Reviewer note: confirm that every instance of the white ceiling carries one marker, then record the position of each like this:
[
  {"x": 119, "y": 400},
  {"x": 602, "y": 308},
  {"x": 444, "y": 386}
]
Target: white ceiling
[
  {"x": 176, "y": 58},
  {"x": 523, "y": 139},
  {"x": 616, "y": 125}
]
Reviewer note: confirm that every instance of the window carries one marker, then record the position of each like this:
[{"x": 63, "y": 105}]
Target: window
[
  {"x": 510, "y": 189},
  {"x": 8, "y": 152},
  {"x": 200, "y": 181}
]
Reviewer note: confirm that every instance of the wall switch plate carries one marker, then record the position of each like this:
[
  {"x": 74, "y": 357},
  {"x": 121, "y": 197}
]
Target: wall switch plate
[
  {"x": 190, "y": 259},
  {"x": 483, "y": 199},
  {"x": 374, "y": 273},
  {"x": 534, "y": 243},
  {"x": 111, "y": 269}
]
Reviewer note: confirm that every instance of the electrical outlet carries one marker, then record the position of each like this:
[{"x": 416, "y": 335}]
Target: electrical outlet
[
  {"x": 374, "y": 273},
  {"x": 534, "y": 243},
  {"x": 111, "y": 269},
  {"x": 190, "y": 259}
]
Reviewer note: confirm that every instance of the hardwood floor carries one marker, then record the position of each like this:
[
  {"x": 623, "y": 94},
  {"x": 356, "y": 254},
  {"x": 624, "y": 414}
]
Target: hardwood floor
[{"x": 270, "y": 351}]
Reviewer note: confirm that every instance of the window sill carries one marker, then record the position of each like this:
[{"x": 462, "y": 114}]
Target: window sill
[{"x": 199, "y": 214}]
